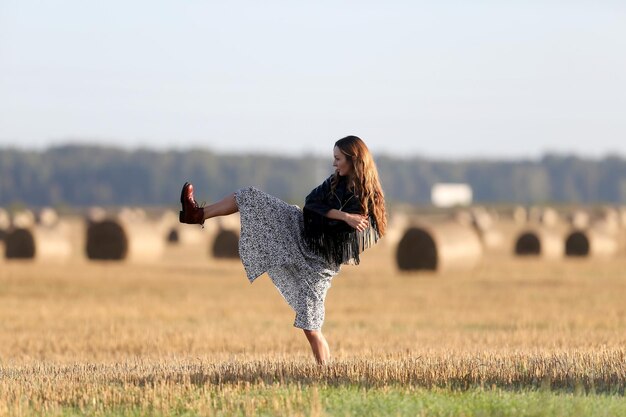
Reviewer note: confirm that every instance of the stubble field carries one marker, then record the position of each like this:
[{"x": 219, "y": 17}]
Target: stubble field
[{"x": 188, "y": 335}]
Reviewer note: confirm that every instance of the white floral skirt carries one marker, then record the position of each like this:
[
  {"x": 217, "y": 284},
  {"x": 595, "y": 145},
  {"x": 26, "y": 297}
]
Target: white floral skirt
[{"x": 272, "y": 241}]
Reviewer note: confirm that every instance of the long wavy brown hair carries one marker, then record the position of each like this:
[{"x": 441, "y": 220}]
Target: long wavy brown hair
[{"x": 364, "y": 179}]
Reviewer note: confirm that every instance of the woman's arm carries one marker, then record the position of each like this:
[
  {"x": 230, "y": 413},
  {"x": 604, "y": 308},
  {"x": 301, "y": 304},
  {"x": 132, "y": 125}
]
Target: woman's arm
[
  {"x": 354, "y": 220},
  {"x": 316, "y": 200}
]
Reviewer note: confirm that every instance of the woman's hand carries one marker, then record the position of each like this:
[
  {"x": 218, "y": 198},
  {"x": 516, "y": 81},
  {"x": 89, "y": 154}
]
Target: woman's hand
[{"x": 356, "y": 221}]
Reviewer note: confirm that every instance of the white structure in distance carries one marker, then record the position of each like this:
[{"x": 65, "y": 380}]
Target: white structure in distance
[{"x": 451, "y": 195}]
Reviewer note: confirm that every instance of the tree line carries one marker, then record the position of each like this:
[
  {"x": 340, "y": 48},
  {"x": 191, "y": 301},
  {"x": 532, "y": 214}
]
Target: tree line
[{"x": 81, "y": 175}]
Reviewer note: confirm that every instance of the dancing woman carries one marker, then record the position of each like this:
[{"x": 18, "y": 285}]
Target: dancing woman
[{"x": 302, "y": 250}]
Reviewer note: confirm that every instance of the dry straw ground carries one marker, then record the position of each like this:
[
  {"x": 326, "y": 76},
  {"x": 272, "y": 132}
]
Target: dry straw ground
[{"x": 97, "y": 334}]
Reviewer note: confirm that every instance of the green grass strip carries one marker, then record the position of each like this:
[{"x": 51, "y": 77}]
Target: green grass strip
[{"x": 317, "y": 400}]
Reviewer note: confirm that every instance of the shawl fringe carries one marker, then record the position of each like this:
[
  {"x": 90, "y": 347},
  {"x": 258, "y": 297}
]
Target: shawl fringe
[{"x": 335, "y": 240}]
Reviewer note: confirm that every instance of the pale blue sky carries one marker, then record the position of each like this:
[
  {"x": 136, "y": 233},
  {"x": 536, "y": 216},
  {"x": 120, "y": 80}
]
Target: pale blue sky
[{"x": 449, "y": 79}]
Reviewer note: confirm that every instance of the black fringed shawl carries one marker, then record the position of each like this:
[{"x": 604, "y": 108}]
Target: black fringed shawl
[{"x": 334, "y": 239}]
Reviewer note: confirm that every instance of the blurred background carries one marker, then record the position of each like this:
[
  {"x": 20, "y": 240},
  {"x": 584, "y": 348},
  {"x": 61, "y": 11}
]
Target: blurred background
[{"x": 110, "y": 107}]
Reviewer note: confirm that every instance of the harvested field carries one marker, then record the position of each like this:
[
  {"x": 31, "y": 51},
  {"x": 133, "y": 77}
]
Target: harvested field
[{"x": 97, "y": 336}]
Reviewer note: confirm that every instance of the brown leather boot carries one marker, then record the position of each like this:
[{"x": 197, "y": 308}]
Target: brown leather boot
[{"x": 191, "y": 212}]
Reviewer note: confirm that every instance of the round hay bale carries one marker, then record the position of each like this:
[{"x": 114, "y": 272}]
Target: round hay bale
[
  {"x": 544, "y": 243},
  {"x": 106, "y": 240},
  {"x": 520, "y": 215},
  {"x": 175, "y": 233},
  {"x": 609, "y": 213},
  {"x": 232, "y": 222},
  {"x": 5, "y": 224},
  {"x": 482, "y": 221},
  {"x": 463, "y": 217},
  {"x": 5, "y": 219},
  {"x": 113, "y": 240},
  {"x": 19, "y": 244},
  {"x": 145, "y": 241},
  {"x": 52, "y": 243},
  {"x": 481, "y": 218},
  {"x": 622, "y": 216},
  {"x": 439, "y": 247},
  {"x": 579, "y": 219},
  {"x": 545, "y": 216},
  {"x": 577, "y": 244},
  {"x": 226, "y": 244},
  {"x": 96, "y": 214},
  {"x": 168, "y": 217},
  {"x": 398, "y": 222},
  {"x": 491, "y": 238},
  {"x": 131, "y": 215},
  {"x": 167, "y": 221},
  {"x": 528, "y": 244},
  {"x": 185, "y": 235},
  {"x": 607, "y": 220},
  {"x": 172, "y": 237},
  {"x": 590, "y": 243},
  {"x": 47, "y": 217},
  {"x": 23, "y": 219},
  {"x": 40, "y": 243},
  {"x": 549, "y": 217}
]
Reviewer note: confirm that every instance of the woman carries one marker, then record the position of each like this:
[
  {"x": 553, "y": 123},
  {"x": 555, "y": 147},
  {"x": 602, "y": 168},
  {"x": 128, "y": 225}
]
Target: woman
[{"x": 302, "y": 250}]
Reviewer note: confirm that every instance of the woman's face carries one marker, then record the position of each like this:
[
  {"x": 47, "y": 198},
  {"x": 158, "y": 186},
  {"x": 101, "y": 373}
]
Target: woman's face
[{"x": 341, "y": 163}]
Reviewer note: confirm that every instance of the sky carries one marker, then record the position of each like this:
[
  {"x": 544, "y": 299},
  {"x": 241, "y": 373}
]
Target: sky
[{"x": 443, "y": 79}]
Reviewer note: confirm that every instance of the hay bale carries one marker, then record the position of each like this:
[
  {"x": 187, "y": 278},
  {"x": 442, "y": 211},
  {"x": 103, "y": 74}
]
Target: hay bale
[
  {"x": 41, "y": 243},
  {"x": 175, "y": 233},
  {"x": 145, "y": 241},
  {"x": 491, "y": 238},
  {"x": 23, "y": 219},
  {"x": 544, "y": 216},
  {"x": 398, "y": 223},
  {"x": 579, "y": 219},
  {"x": 520, "y": 215},
  {"x": 53, "y": 243},
  {"x": 622, "y": 216},
  {"x": 607, "y": 220},
  {"x": 74, "y": 228},
  {"x": 544, "y": 243},
  {"x": 439, "y": 247},
  {"x": 549, "y": 217},
  {"x": 482, "y": 220},
  {"x": 231, "y": 222},
  {"x": 96, "y": 214},
  {"x": 172, "y": 237},
  {"x": 111, "y": 239},
  {"x": 5, "y": 219},
  {"x": 463, "y": 217},
  {"x": 609, "y": 213},
  {"x": 3, "y": 234},
  {"x": 19, "y": 244},
  {"x": 226, "y": 244},
  {"x": 185, "y": 235},
  {"x": 591, "y": 243},
  {"x": 106, "y": 240},
  {"x": 47, "y": 217},
  {"x": 132, "y": 215}
]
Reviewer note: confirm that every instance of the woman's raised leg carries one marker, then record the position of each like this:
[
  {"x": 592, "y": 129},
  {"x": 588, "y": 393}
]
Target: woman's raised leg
[
  {"x": 224, "y": 207},
  {"x": 192, "y": 213}
]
